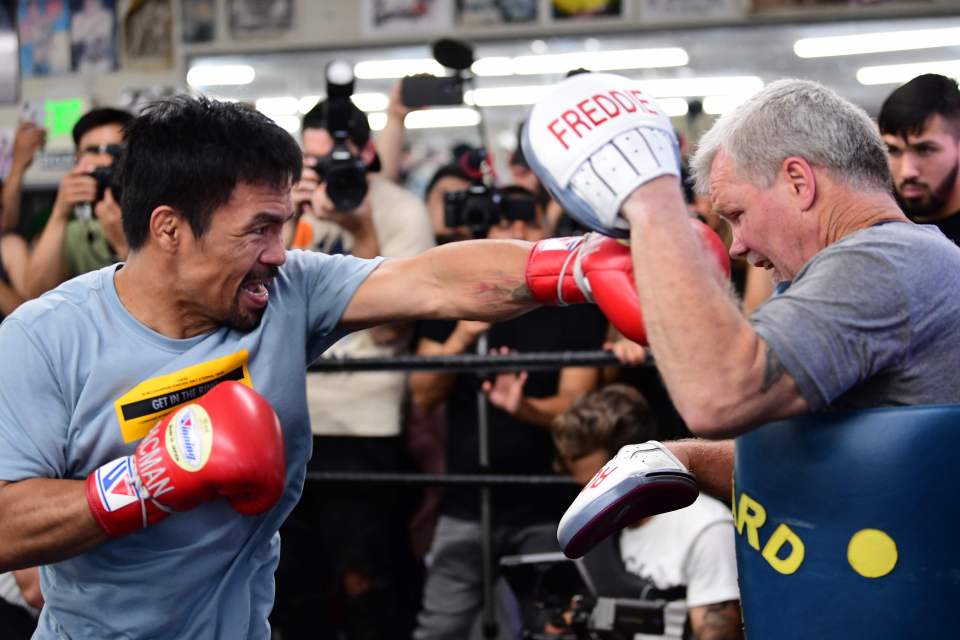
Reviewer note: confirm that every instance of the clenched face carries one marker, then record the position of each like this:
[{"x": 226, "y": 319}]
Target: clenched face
[
  {"x": 229, "y": 270},
  {"x": 765, "y": 230},
  {"x": 925, "y": 169}
]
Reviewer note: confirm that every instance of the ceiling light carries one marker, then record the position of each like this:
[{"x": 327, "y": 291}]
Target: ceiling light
[
  {"x": 505, "y": 96},
  {"x": 308, "y": 102},
  {"x": 377, "y": 120},
  {"x": 593, "y": 60},
  {"x": 692, "y": 87},
  {"x": 674, "y": 107},
  {"x": 900, "y": 73},
  {"x": 210, "y": 75},
  {"x": 435, "y": 118},
  {"x": 278, "y": 106},
  {"x": 372, "y": 101},
  {"x": 290, "y": 123},
  {"x": 876, "y": 42},
  {"x": 385, "y": 69},
  {"x": 718, "y": 105}
]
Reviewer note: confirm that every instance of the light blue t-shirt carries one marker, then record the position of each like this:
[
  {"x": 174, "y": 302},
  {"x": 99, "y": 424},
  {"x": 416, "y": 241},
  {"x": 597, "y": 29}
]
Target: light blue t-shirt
[{"x": 81, "y": 381}]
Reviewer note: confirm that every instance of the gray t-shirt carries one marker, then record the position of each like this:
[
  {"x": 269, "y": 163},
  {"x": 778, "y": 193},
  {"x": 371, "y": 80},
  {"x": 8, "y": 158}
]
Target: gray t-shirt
[
  {"x": 82, "y": 381},
  {"x": 872, "y": 320}
]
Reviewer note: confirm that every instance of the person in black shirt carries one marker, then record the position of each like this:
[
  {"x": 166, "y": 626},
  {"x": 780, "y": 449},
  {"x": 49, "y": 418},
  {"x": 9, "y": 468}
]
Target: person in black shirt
[
  {"x": 920, "y": 123},
  {"x": 523, "y": 406}
]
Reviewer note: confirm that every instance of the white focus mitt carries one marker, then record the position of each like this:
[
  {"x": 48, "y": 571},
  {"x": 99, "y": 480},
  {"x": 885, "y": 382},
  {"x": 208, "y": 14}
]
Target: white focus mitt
[
  {"x": 640, "y": 481},
  {"x": 592, "y": 140}
]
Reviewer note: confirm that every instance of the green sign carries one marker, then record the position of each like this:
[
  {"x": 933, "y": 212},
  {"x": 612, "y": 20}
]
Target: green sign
[{"x": 61, "y": 115}]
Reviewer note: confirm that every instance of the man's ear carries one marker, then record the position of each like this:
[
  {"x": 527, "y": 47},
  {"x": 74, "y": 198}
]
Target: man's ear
[
  {"x": 800, "y": 180},
  {"x": 167, "y": 228}
]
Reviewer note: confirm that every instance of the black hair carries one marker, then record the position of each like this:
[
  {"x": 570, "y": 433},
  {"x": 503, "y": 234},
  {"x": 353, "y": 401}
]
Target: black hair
[
  {"x": 359, "y": 126},
  {"x": 190, "y": 153},
  {"x": 446, "y": 171},
  {"x": 908, "y": 109},
  {"x": 98, "y": 118}
]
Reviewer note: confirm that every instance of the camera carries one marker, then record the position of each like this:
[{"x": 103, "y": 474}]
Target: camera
[
  {"x": 480, "y": 207},
  {"x": 345, "y": 174},
  {"x": 104, "y": 177},
  {"x": 426, "y": 90}
]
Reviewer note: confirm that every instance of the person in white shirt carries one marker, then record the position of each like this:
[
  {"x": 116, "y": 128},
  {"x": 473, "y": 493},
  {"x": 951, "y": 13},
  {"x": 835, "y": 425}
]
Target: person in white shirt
[{"x": 688, "y": 551}]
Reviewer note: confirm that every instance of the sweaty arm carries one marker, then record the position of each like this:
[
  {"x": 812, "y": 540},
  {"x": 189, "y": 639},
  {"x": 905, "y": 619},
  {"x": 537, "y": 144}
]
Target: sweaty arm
[
  {"x": 478, "y": 279},
  {"x": 44, "y": 521},
  {"x": 722, "y": 376}
]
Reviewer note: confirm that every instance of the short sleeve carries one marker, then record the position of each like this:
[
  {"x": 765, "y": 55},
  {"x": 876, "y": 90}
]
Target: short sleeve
[
  {"x": 845, "y": 319},
  {"x": 33, "y": 412},
  {"x": 711, "y": 566}
]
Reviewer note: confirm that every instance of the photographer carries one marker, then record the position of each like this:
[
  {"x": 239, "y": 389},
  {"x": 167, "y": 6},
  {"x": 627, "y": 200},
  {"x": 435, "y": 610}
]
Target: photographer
[
  {"x": 524, "y": 517},
  {"x": 345, "y": 549},
  {"x": 94, "y": 237},
  {"x": 691, "y": 549}
]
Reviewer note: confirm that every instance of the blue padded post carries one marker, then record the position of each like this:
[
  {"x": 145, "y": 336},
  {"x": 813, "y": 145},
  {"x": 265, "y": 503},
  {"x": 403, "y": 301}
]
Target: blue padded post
[{"x": 847, "y": 525}]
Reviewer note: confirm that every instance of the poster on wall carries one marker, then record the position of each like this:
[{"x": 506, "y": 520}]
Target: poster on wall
[
  {"x": 259, "y": 18},
  {"x": 198, "y": 21},
  {"x": 406, "y": 16},
  {"x": 491, "y": 12},
  {"x": 93, "y": 35},
  {"x": 775, "y": 5},
  {"x": 586, "y": 9},
  {"x": 147, "y": 28},
  {"x": 44, "y": 27},
  {"x": 674, "y": 11},
  {"x": 10, "y": 71}
]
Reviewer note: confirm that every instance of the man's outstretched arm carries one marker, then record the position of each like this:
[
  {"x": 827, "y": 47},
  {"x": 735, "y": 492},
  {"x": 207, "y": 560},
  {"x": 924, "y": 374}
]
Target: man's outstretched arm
[{"x": 474, "y": 280}]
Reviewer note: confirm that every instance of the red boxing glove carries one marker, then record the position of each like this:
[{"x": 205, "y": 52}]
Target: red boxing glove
[
  {"x": 551, "y": 275},
  {"x": 228, "y": 443},
  {"x": 608, "y": 267}
]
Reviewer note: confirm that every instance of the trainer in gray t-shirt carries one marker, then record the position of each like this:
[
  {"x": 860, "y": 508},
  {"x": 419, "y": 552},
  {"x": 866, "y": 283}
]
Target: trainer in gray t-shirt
[{"x": 872, "y": 320}]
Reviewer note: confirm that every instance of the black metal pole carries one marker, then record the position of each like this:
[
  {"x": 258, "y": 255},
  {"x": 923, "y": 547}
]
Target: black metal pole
[{"x": 489, "y": 617}]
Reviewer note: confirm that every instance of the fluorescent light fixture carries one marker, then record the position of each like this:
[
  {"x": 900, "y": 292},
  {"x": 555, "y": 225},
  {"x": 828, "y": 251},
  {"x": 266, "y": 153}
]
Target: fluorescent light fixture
[
  {"x": 505, "y": 96},
  {"x": 593, "y": 60},
  {"x": 436, "y": 118},
  {"x": 718, "y": 105},
  {"x": 385, "y": 69},
  {"x": 674, "y": 107},
  {"x": 900, "y": 73},
  {"x": 308, "y": 102},
  {"x": 211, "y": 75},
  {"x": 278, "y": 106},
  {"x": 377, "y": 120},
  {"x": 373, "y": 101},
  {"x": 692, "y": 87},
  {"x": 290, "y": 123},
  {"x": 860, "y": 43}
]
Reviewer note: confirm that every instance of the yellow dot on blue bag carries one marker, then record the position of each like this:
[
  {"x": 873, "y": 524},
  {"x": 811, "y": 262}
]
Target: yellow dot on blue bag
[{"x": 872, "y": 553}]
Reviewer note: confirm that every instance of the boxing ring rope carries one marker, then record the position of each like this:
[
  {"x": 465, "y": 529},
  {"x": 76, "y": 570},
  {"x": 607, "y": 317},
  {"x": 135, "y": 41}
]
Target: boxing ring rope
[{"x": 482, "y": 364}]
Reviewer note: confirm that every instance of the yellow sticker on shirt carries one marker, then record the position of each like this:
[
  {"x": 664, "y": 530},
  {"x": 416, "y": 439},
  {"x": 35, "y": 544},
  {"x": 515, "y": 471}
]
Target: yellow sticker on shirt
[{"x": 141, "y": 407}]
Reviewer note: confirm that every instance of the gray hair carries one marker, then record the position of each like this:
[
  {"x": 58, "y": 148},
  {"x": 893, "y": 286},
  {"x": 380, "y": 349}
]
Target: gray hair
[{"x": 796, "y": 118}]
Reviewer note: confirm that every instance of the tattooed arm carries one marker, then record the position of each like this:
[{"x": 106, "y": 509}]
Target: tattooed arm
[
  {"x": 718, "y": 621},
  {"x": 474, "y": 280}
]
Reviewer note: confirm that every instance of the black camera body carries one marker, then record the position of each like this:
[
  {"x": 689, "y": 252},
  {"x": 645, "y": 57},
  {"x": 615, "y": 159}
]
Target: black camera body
[
  {"x": 344, "y": 173},
  {"x": 480, "y": 207},
  {"x": 104, "y": 178}
]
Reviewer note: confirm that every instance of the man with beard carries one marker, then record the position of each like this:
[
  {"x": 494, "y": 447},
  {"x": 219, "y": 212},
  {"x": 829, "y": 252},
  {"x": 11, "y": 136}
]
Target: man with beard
[
  {"x": 133, "y": 539},
  {"x": 920, "y": 124}
]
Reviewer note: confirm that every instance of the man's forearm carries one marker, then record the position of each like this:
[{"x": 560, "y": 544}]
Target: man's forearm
[
  {"x": 711, "y": 461},
  {"x": 44, "y": 521},
  {"x": 12, "y": 196},
  {"x": 483, "y": 279},
  {"x": 687, "y": 310}
]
